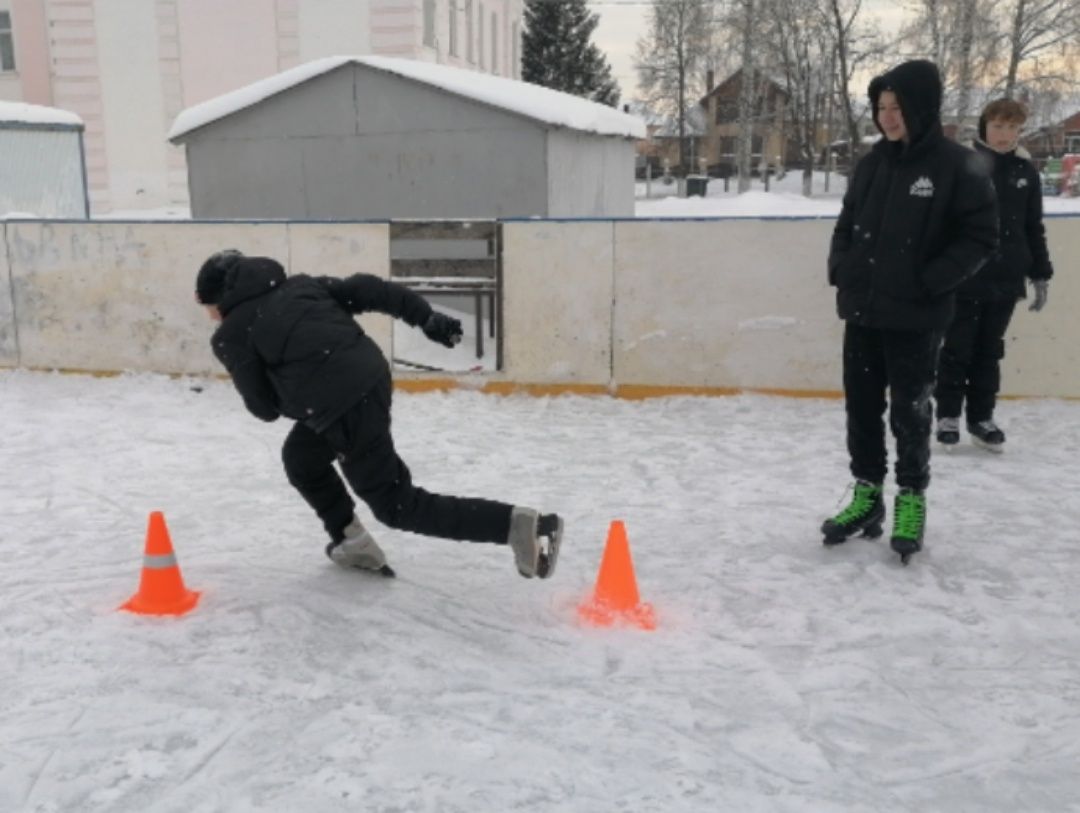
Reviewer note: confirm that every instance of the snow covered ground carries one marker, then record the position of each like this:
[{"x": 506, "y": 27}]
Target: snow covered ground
[
  {"x": 784, "y": 199},
  {"x": 783, "y": 676}
]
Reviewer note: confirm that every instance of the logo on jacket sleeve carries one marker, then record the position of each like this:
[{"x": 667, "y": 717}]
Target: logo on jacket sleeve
[
  {"x": 923, "y": 188},
  {"x": 1021, "y": 183}
]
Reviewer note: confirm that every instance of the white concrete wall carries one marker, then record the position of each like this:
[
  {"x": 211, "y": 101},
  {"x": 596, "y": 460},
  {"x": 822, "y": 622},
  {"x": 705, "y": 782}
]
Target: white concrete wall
[
  {"x": 558, "y": 289},
  {"x": 735, "y": 303},
  {"x": 674, "y": 305},
  {"x": 1042, "y": 350},
  {"x": 120, "y": 296},
  {"x": 133, "y": 103},
  {"x": 9, "y": 348}
]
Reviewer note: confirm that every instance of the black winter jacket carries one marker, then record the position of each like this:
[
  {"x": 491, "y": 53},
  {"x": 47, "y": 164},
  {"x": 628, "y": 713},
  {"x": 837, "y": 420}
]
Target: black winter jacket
[
  {"x": 1023, "y": 251},
  {"x": 293, "y": 348},
  {"x": 917, "y": 220}
]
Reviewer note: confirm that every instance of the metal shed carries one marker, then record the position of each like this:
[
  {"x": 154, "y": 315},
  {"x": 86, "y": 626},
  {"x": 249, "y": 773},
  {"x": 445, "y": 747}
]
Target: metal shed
[
  {"x": 380, "y": 138},
  {"x": 42, "y": 162}
]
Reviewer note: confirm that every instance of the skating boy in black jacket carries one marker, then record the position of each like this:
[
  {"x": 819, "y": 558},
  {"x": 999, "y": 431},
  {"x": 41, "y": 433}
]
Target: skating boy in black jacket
[
  {"x": 970, "y": 365},
  {"x": 918, "y": 219},
  {"x": 293, "y": 348}
]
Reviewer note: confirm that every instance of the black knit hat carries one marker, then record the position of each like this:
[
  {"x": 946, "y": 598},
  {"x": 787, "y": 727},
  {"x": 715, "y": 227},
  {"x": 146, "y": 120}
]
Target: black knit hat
[{"x": 210, "y": 282}]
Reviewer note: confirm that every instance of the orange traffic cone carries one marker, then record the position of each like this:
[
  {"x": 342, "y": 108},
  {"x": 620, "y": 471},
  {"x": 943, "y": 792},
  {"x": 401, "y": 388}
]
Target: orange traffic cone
[
  {"x": 616, "y": 597},
  {"x": 161, "y": 588}
]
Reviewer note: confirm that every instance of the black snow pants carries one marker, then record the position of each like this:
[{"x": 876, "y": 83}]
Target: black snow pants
[
  {"x": 902, "y": 363},
  {"x": 970, "y": 365},
  {"x": 361, "y": 443}
]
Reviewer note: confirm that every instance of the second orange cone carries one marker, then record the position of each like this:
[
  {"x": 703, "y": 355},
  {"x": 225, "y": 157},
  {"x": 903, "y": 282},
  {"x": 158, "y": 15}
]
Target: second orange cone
[
  {"x": 161, "y": 587},
  {"x": 615, "y": 597}
]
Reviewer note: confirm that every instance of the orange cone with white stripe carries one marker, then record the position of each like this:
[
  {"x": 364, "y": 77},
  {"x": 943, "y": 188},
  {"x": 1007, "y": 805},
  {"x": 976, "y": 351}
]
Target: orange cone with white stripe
[{"x": 161, "y": 588}]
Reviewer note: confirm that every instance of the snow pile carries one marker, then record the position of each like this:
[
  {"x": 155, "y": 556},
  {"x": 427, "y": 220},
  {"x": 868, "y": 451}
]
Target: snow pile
[{"x": 22, "y": 113}]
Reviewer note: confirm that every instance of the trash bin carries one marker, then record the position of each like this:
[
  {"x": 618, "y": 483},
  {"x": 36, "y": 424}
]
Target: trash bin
[{"x": 696, "y": 185}]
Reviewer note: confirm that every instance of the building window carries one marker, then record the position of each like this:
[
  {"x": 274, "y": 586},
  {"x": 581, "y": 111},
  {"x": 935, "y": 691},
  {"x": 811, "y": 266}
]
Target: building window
[
  {"x": 480, "y": 35},
  {"x": 429, "y": 23},
  {"x": 494, "y": 42},
  {"x": 515, "y": 70},
  {"x": 7, "y": 43},
  {"x": 1072, "y": 143},
  {"x": 727, "y": 111},
  {"x": 470, "y": 52},
  {"x": 453, "y": 28}
]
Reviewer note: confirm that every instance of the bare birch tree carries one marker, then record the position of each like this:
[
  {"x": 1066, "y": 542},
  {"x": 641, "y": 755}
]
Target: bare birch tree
[
  {"x": 745, "y": 142},
  {"x": 960, "y": 36},
  {"x": 856, "y": 42},
  {"x": 669, "y": 58},
  {"x": 799, "y": 33},
  {"x": 1036, "y": 28}
]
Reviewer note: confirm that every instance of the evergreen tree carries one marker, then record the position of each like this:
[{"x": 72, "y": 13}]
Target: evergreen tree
[{"x": 557, "y": 52}]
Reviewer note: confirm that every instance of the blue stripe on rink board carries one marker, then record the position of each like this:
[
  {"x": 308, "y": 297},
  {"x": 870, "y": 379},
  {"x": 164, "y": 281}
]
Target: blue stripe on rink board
[{"x": 160, "y": 562}]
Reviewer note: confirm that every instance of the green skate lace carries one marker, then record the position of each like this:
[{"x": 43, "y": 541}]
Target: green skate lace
[
  {"x": 861, "y": 503},
  {"x": 910, "y": 515}
]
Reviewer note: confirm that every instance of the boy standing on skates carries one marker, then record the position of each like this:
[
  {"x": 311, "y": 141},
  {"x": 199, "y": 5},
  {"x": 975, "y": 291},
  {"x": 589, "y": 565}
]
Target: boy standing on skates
[
  {"x": 918, "y": 219},
  {"x": 969, "y": 372},
  {"x": 293, "y": 349}
]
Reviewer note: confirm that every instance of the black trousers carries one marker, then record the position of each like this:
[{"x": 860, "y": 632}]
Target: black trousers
[
  {"x": 902, "y": 363},
  {"x": 361, "y": 443},
  {"x": 970, "y": 365}
]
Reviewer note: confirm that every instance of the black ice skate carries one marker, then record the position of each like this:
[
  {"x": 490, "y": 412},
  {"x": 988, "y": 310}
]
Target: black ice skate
[
  {"x": 909, "y": 522},
  {"x": 863, "y": 515},
  {"x": 987, "y": 435},
  {"x": 948, "y": 431}
]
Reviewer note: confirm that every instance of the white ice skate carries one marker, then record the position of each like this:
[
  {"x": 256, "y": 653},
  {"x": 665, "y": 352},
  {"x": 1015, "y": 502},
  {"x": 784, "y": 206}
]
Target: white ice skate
[{"x": 359, "y": 550}]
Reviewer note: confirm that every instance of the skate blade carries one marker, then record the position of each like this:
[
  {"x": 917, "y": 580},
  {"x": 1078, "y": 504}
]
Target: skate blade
[
  {"x": 869, "y": 532},
  {"x": 386, "y": 571},
  {"x": 545, "y": 565},
  {"x": 994, "y": 448},
  {"x": 905, "y": 554}
]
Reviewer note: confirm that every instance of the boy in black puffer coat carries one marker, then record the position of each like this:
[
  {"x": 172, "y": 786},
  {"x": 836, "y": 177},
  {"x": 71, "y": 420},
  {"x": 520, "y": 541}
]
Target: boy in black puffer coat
[
  {"x": 918, "y": 219},
  {"x": 970, "y": 365},
  {"x": 293, "y": 348}
]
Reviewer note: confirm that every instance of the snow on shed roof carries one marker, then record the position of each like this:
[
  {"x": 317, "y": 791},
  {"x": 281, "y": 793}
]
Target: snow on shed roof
[
  {"x": 22, "y": 113},
  {"x": 540, "y": 103}
]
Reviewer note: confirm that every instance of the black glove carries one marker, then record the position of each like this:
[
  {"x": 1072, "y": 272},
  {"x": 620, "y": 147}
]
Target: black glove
[
  {"x": 1042, "y": 291},
  {"x": 443, "y": 329}
]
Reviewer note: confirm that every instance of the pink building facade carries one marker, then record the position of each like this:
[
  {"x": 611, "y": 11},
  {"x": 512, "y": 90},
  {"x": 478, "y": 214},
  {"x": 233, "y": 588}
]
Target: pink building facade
[{"x": 128, "y": 67}]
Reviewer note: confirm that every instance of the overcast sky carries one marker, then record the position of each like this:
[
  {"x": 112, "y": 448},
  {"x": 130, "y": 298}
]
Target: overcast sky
[{"x": 623, "y": 22}]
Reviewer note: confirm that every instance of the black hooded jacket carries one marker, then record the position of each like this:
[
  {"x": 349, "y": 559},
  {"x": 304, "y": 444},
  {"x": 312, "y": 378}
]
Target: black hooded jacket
[
  {"x": 917, "y": 220},
  {"x": 1022, "y": 253},
  {"x": 291, "y": 344}
]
